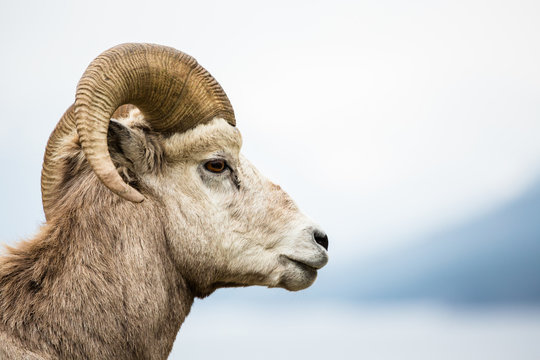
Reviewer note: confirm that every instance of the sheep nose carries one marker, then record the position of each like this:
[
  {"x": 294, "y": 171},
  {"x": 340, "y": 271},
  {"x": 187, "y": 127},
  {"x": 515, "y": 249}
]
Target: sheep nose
[{"x": 321, "y": 239}]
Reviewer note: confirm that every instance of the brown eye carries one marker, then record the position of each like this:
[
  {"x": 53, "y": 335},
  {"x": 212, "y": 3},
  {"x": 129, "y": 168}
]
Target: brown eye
[{"x": 216, "y": 166}]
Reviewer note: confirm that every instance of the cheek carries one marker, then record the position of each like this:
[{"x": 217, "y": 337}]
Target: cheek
[{"x": 254, "y": 225}]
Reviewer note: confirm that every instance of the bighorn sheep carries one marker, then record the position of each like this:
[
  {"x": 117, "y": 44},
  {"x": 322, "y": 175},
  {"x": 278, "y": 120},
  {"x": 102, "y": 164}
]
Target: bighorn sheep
[{"x": 143, "y": 214}]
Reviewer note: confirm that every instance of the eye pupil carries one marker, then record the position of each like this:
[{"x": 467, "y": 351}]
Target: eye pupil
[{"x": 215, "y": 166}]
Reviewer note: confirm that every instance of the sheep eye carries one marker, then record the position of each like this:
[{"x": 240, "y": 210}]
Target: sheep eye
[{"x": 216, "y": 166}]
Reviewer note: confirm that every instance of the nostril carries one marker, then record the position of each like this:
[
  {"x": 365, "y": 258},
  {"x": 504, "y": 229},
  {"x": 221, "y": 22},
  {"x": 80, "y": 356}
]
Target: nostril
[{"x": 321, "y": 239}]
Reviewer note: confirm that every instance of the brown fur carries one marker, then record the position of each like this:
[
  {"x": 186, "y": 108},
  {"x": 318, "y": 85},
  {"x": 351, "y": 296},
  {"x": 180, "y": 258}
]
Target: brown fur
[{"x": 89, "y": 288}]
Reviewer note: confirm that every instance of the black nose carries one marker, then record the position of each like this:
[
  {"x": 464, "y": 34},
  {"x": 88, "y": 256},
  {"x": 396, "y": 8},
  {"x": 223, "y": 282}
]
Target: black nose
[{"x": 321, "y": 239}]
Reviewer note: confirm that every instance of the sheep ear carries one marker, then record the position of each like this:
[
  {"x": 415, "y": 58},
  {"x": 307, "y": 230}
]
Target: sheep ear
[
  {"x": 125, "y": 145},
  {"x": 133, "y": 149}
]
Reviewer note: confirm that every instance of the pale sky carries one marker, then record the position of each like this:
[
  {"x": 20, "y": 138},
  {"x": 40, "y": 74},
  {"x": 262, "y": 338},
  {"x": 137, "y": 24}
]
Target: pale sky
[{"x": 383, "y": 119}]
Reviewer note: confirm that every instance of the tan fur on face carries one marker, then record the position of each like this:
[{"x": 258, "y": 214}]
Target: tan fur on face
[
  {"x": 216, "y": 136},
  {"x": 246, "y": 230},
  {"x": 109, "y": 279}
]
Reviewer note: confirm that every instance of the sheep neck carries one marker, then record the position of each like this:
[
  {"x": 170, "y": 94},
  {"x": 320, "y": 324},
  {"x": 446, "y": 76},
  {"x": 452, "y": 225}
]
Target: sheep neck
[{"x": 89, "y": 288}]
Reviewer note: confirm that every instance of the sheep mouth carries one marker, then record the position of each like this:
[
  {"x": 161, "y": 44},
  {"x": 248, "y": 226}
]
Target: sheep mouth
[
  {"x": 302, "y": 264},
  {"x": 297, "y": 274}
]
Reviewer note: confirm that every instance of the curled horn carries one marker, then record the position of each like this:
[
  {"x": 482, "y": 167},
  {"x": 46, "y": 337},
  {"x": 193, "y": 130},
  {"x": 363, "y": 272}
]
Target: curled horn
[
  {"x": 173, "y": 92},
  {"x": 51, "y": 176}
]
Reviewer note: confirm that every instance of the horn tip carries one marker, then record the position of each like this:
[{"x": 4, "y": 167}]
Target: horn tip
[{"x": 133, "y": 195}]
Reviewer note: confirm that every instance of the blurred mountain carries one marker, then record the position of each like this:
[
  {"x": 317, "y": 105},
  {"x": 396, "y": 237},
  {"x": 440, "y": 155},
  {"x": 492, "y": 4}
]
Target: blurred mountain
[{"x": 493, "y": 259}]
